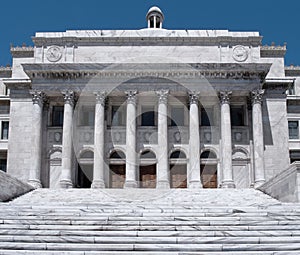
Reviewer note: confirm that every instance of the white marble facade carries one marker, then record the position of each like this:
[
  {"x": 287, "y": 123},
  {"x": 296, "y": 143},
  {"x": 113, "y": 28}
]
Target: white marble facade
[{"x": 149, "y": 108}]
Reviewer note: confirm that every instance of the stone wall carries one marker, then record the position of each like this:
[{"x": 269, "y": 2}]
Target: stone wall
[{"x": 286, "y": 185}]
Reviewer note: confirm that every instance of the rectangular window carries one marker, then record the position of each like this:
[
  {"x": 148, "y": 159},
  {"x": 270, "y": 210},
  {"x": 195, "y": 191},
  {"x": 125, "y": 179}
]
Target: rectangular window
[
  {"x": 4, "y": 130},
  {"x": 294, "y": 129},
  {"x": 207, "y": 116},
  {"x": 87, "y": 115},
  {"x": 294, "y": 156},
  {"x": 148, "y": 116},
  {"x": 177, "y": 116},
  {"x": 118, "y": 116},
  {"x": 3, "y": 164},
  {"x": 237, "y": 116},
  {"x": 4, "y": 107},
  {"x": 57, "y": 116}
]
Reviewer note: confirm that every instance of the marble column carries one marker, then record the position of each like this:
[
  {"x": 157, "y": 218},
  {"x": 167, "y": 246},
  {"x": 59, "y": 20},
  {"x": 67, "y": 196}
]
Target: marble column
[
  {"x": 131, "y": 155},
  {"x": 98, "y": 171},
  {"x": 67, "y": 150},
  {"x": 226, "y": 149},
  {"x": 163, "y": 173},
  {"x": 194, "y": 143},
  {"x": 38, "y": 99},
  {"x": 258, "y": 138}
]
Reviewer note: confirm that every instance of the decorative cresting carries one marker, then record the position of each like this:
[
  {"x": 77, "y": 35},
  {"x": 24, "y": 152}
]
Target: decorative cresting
[
  {"x": 225, "y": 97},
  {"x": 131, "y": 96},
  {"x": 163, "y": 95},
  {"x": 194, "y": 142},
  {"x": 257, "y": 96},
  {"x": 70, "y": 97},
  {"x": 98, "y": 171},
  {"x": 258, "y": 142},
  {"x": 163, "y": 175},
  {"x": 101, "y": 97},
  {"x": 38, "y": 99},
  {"x": 226, "y": 142}
]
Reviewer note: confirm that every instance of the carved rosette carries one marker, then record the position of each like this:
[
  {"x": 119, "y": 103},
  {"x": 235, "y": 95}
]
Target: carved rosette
[
  {"x": 38, "y": 97},
  {"x": 225, "y": 97},
  {"x": 257, "y": 96},
  {"x": 131, "y": 96},
  {"x": 69, "y": 97},
  {"x": 162, "y": 96},
  {"x": 100, "y": 97},
  {"x": 194, "y": 97}
]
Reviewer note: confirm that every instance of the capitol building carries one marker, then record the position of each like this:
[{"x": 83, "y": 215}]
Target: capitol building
[{"x": 150, "y": 108}]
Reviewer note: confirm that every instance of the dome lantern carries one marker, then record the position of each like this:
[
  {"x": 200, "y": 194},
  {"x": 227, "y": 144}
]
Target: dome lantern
[{"x": 155, "y": 17}]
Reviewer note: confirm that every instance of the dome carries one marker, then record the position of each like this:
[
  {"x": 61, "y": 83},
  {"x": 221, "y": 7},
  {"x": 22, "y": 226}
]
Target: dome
[{"x": 154, "y": 10}]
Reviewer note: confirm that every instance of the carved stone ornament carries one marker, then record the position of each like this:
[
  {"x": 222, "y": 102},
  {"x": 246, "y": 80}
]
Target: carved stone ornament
[
  {"x": 38, "y": 97},
  {"x": 257, "y": 96},
  {"x": 69, "y": 97},
  {"x": 100, "y": 97},
  {"x": 225, "y": 97},
  {"x": 194, "y": 97},
  {"x": 240, "y": 53},
  {"x": 177, "y": 136},
  {"x": 131, "y": 96},
  {"x": 162, "y": 96},
  {"x": 54, "y": 53}
]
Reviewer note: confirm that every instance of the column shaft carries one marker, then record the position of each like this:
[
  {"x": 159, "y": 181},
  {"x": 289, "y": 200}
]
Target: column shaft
[
  {"x": 194, "y": 143},
  {"x": 226, "y": 148},
  {"x": 98, "y": 170},
  {"x": 38, "y": 98},
  {"x": 163, "y": 173},
  {"x": 258, "y": 143},
  {"x": 67, "y": 150},
  {"x": 131, "y": 155}
]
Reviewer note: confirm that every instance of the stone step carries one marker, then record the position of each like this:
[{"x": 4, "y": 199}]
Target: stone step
[
  {"x": 150, "y": 247},
  {"x": 188, "y": 233}
]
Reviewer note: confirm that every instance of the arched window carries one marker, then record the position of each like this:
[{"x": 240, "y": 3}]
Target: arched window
[
  {"x": 87, "y": 154},
  {"x": 147, "y": 154},
  {"x": 208, "y": 155},
  {"x": 178, "y": 154},
  {"x": 117, "y": 155}
]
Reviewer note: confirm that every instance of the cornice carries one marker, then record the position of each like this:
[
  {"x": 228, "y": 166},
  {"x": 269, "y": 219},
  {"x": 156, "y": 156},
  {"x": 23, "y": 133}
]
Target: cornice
[
  {"x": 246, "y": 71},
  {"x": 22, "y": 51},
  {"x": 272, "y": 51}
]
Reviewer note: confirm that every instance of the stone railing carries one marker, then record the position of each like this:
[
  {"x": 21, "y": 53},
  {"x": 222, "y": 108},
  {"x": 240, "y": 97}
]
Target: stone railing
[{"x": 286, "y": 185}]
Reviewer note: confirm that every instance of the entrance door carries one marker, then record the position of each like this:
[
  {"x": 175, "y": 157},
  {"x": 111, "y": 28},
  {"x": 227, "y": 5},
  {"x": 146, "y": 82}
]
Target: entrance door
[
  {"x": 178, "y": 176},
  {"x": 209, "y": 176},
  {"x": 148, "y": 176},
  {"x": 84, "y": 176},
  {"x": 117, "y": 176}
]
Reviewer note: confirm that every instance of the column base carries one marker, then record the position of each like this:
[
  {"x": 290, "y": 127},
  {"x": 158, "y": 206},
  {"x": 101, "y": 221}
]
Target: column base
[
  {"x": 163, "y": 185},
  {"x": 228, "y": 185},
  {"x": 98, "y": 184},
  {"x": 130, "y": 184},
  {"x": 35, "y": 183},
  {"x": 66, "y": 184},
  {"x": 195, "y": 185},
  {"x": 258, "y": 183}
]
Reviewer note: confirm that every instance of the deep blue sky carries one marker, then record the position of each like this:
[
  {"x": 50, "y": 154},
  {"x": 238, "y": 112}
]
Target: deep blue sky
[{"x": 277, "y": 21}]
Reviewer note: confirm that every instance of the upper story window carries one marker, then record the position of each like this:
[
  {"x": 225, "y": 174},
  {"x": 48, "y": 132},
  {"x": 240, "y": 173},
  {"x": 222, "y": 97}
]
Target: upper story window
[
  {"x": 293, "y": 129},
  {"x": 148, "y": 116},
  {"x": 177, "y": 115},
  {"x": 207, "y": 116},
  {"x": 237, "y": 114},
  {"x": 291, "y": 90},
  {"x": 4, "y": 130},
  {"x": 87, "y": 115},
  {"x": 4, "y": 107},
  {"x": 118, "y": 115},
  {"x": 57, "y": 116}
]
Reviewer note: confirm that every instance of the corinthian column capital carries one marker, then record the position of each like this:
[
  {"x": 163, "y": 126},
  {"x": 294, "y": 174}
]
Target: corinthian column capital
[
  {"x": 257, "y": 95},
  {"x": 194, "y": 97},
  {"x": 38, "y": 97},
  {"x": 70, "y": 97},
  {"x": 100, "y": 97},
  {"x": 131, "y": 96},
  {"x": 225, "y": 97},
  {"x": 162, "y": 96}
]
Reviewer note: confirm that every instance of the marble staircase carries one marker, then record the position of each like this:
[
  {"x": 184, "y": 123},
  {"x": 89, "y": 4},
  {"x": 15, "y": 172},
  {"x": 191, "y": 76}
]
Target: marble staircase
[{"x": 145, "y": 221}]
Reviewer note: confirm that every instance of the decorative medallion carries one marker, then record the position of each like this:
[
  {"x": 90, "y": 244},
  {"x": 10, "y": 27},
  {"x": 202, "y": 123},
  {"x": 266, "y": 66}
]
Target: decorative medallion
[
  {"x": 240, "y": 53},
  {"x": 54, "y": 53}
]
